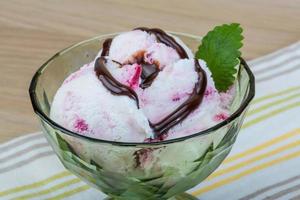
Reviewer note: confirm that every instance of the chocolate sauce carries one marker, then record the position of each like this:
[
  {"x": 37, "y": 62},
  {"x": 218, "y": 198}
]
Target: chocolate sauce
[
  {"x": 111, "y": 83},
  {"x": 162, "y": 37},
  {"x": 187, "y": 107},
  {"x": 106, "y": 47},
  {"x": 149, "y": 73}
]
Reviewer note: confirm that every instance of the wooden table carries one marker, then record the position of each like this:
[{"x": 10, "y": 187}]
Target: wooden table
[{"x": 31, "y": 31}]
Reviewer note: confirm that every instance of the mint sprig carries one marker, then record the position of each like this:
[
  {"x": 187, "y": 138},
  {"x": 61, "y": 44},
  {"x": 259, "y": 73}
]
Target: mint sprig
[{"x": 220, "y": 50}]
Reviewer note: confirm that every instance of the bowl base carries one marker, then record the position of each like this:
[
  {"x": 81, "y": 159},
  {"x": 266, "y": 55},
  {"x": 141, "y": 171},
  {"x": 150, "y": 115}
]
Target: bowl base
[{"x": 183, "y": 196}]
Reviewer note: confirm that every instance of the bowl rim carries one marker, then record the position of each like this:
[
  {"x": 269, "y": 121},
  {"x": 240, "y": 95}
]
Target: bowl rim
[{"x": 43, "y": 116}]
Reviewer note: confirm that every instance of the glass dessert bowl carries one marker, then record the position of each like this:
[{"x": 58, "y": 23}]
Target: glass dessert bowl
[{"x": 125, "y": 170}]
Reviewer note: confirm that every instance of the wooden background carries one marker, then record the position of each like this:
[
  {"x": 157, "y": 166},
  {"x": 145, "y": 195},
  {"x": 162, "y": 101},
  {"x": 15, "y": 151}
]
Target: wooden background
[{"x": 31, "y": 31}]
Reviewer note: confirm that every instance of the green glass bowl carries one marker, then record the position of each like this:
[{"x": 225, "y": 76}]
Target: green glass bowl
[{"x": 127, "y": 171}]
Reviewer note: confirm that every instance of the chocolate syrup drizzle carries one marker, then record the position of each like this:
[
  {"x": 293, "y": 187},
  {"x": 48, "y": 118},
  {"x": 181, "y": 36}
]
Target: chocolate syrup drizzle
[
  {"x": 111, "y": 83},
  {"x": 106, "y": 47},
  {"x": 149, "y": 73},
  {"x": 187, "y": 107},
  {"x": 162, "y": 37}
]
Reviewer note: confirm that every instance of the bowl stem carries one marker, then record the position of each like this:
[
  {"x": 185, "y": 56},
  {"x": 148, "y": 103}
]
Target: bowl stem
[{"x": 183, "y": 196}]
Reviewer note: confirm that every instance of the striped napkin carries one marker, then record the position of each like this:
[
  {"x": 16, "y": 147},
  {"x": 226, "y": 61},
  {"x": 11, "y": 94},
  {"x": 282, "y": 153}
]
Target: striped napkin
[{"x": 263, "y": 164}]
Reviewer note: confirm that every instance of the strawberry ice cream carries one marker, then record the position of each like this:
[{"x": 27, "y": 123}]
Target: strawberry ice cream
[{"x": 144, "y": 85}]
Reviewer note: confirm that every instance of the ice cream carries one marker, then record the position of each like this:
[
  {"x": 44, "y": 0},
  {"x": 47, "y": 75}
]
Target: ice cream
[{"x": 144, "y": 85}]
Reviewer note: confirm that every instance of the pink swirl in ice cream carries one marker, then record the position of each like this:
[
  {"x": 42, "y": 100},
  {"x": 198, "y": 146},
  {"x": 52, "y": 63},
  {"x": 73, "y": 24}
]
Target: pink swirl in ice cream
[{"x": 145, "y": 85}]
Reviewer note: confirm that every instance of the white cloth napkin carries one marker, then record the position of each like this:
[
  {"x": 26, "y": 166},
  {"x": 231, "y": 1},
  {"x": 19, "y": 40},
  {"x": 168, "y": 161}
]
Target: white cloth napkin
[{"x": 263, "y": 164}]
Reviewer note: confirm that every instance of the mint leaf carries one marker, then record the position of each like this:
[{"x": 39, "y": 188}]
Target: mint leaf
[{"x": 220, "y": 50}]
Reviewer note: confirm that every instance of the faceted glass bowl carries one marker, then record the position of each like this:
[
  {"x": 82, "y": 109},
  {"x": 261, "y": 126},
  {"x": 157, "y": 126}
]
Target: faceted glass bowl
[{"x": 148, "y": 171}]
